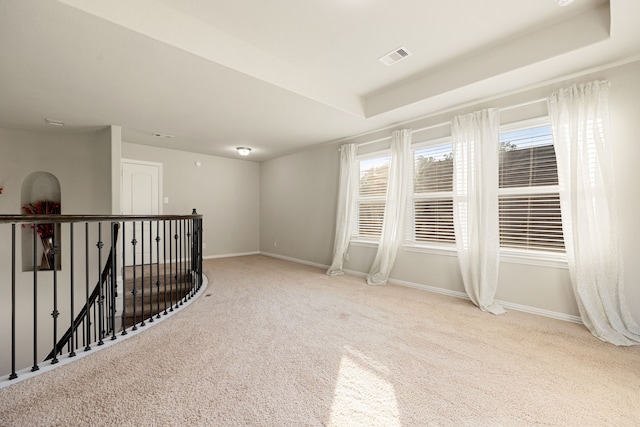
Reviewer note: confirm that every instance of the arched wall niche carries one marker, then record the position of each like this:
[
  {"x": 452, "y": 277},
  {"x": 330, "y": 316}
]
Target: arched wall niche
[{"x": 36, "y": 187}]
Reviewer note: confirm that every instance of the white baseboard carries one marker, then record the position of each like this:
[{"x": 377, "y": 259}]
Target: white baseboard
[
  {"x": 230, "y": 255},
  {"x": 299, "y": 261},
  {"x": 449, "y": 292}
]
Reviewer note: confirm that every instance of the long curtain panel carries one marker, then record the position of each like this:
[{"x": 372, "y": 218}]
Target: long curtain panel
[
  {"x": 475, "y": 139},
  {"x": 393, "y": 234},
  {"x": 580, "y": 120},
  {"x": 347, "y": 193}
]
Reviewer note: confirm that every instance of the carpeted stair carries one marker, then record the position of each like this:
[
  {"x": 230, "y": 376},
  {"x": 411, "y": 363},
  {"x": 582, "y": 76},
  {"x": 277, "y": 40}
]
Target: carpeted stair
[{"x": 176, "y": 289}]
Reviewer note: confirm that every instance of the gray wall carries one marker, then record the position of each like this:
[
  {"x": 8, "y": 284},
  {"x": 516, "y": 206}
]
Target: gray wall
[
  {"x": 225, "y": 191},
  {"x": 82, "y": 164},
  {"x": 298, "y": 200}
]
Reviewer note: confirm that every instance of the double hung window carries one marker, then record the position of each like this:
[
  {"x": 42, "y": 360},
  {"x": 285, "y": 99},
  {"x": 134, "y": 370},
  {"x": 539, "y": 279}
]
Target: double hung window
[
  {"x": 372, "y": 192},
  {"x": 528, "y": 194},
  {"x": 433, "y": 193}
]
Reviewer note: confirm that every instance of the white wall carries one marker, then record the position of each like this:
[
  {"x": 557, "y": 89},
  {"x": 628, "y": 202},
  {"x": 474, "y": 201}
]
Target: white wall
[
  {"x": 225, "y": 191},
  {"x": 298, "y": 199}
]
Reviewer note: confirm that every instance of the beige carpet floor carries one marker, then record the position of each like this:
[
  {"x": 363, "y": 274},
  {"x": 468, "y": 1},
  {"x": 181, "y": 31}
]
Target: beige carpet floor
[{"x": 273, "y": 343}]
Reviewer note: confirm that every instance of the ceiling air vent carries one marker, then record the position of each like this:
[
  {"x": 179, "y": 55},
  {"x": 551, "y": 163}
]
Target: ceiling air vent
[{"x": 395, "y": 56}]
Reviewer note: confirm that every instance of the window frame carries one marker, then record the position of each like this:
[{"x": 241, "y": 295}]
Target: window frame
[
  {"x": 355, "y": 238},
  {"x": 507, "y": 254},
  {"x": 410, "y": 238}
]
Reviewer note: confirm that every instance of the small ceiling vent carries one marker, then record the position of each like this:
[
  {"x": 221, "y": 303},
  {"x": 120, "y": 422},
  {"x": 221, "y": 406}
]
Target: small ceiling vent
[{"x": 395, "y": 56}]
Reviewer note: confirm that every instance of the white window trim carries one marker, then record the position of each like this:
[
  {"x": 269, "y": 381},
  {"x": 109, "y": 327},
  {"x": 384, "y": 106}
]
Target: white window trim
[{"x": 355, "y": 238}]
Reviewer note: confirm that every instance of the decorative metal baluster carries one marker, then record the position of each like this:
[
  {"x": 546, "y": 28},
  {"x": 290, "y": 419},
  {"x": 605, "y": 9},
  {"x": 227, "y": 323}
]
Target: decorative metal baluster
[
  {"x": 200, "y": 254},
  {"x": 150, "y": 273},
  {"x": 158, "y": 268},
  {"x": 187, "y": 273},
  {"x": 55, "y": 313},
  {"x": 164, "y": 263},
  {"x": 35, "y": 366},
  {"x": 171, "y": 268},
  {"x": 124, "y": 279},
  {"x": 178, "y": 283},
  {"x": 114, "y": 282},
  {"x": 134, "y": 291},
  {"x": 100, "y": 245},
  {"x": 86, "y": 270},
  {"x": 72, "y": 343},
  {"x": 13, "y": 374},
  {"x": 142, "y": 274}
]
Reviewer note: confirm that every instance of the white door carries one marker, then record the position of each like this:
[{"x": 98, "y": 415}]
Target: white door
[{"x": 141, "y": 195}]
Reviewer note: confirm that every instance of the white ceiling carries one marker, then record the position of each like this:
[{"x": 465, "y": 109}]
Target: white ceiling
[{"x": 280, "y": 75}]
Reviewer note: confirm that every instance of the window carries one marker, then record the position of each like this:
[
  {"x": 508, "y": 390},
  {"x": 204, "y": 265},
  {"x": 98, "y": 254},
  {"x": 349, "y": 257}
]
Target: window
[
  {"x": 528, "y": 195},
  {"x": 529, "y": 204},
  {"x": 433, "y": 193},
  {"x": 372, "y": 191}
]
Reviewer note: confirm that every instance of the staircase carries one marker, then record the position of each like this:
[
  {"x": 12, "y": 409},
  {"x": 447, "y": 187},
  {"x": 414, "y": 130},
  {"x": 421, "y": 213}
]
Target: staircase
[{"x": 156, "y": 291}]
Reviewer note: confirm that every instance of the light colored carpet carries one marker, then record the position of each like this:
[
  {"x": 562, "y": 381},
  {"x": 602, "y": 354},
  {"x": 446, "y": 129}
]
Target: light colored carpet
[{"x": 273, "y": 343}]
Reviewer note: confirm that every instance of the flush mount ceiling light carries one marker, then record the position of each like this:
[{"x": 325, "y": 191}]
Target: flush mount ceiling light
[
  {"x": 244, "y": 151},
  {"x": 54, "y": 122},
  {"x": 564, "y": 2},
  {"x": 395, "y": 56}
]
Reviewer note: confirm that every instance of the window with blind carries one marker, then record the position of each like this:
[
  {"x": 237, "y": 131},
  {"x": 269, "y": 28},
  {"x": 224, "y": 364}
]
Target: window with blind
[
  {"x": 372, "y": 191},
  {"x": 433, "y": 193},
  {"x": 528, "y": 195}
]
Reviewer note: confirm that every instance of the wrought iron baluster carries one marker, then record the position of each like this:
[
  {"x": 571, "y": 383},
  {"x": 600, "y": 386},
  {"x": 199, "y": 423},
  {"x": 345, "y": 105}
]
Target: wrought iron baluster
[
  {"x": 142, "y": 274},
  {"x": 55, "y": 313},
  {"x": 134, "y": 291},
  {"x": 13, "y": 374},
  {"x": 72, "y": 342},
  {"x": 171, "y": 287},
  {"x": 158, "y": 268},
  {"x": 86, "y": 269},
  {"x": 114, "y": 282},
  {"x": 150, "y": 273},
  {"x": 178, "y": 282},
  {"x": 35, "y": 366},
  {"x": 100, "y": 245},
  {"x": 164, "y": 262},
  {"x": 124, "y": 278}
]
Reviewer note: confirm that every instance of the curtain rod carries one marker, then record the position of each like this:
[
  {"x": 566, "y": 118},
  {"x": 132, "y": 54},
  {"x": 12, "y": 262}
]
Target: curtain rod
[{"x": 511, "y": 107}]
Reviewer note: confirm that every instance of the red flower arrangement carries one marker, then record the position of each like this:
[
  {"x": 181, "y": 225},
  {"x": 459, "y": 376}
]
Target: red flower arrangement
[{"x": 43, "y": 207}]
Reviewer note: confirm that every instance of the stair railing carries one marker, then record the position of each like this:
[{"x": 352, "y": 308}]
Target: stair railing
[{"x": 153, "y": 268}]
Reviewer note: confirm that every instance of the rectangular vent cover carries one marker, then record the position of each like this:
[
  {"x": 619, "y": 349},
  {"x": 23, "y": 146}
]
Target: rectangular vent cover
[{"x": 395, "y": 56}]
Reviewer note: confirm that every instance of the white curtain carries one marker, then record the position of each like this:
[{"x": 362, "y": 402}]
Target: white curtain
[
  {"x": 347, "y": 193},
  {"x": 394, "y": 212},
  {"x": 580, "y": 120},
  {"x": 475, "y": 204}
]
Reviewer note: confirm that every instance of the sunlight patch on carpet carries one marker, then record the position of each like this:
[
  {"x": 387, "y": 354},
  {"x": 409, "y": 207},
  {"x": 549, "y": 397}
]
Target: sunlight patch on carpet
[{"x": 363, "y": 396}]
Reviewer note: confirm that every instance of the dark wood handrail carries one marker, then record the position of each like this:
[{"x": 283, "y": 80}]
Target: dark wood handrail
[{"x": 41, "y": 219}]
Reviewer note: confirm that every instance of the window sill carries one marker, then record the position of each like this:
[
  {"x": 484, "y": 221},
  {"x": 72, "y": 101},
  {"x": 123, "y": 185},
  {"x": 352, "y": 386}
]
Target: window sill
[
  {"x": 510, "y": 255},
  {"x": 444, "y": 249},
  {"x": 364, "y": 243}
]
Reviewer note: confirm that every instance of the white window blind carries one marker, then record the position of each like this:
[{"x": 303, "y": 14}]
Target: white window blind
[
  {"x": 433, "y": 193},
  {"x": 529, "y": 205},
  {"x": 374, "y": 176}
]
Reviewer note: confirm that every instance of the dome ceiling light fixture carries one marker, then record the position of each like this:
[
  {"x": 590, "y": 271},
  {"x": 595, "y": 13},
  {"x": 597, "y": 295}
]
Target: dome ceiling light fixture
[
  {"x": 563, "y": 2},
  {"x": 244, "y": 151}
]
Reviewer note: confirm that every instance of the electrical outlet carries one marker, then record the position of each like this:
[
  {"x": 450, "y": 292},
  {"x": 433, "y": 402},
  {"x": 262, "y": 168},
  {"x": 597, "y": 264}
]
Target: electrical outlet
[
  {"x": 204, "y": 246},
  {"x": 275, "y": 244}
]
